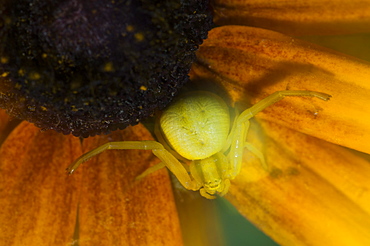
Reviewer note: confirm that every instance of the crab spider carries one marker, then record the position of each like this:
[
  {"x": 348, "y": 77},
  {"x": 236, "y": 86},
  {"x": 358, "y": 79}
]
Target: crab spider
[{"x": 196, "y": 127}]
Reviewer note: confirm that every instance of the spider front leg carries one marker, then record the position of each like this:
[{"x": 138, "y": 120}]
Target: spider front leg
[
  {"x": 239, "y": 131},
  {"x": 158, "y": 150},
  {"x": 175, "y": 166},
  {"x": 238, "y": 135},
  {"x": 275, "y": 97}
]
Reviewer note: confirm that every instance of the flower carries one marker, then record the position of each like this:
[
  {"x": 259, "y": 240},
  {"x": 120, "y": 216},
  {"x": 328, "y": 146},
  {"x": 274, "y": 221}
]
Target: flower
[{"x": 316, "y": 191}]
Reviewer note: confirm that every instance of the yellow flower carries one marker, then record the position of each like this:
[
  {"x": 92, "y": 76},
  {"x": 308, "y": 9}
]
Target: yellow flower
[{"x": 315, "y": 193}]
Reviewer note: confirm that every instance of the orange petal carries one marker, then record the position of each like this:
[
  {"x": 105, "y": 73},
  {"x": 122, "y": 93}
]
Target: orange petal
[
  {"x": 116, "y": 209},
  {"x": 37, "y": 198},
  {"x": 252, "y": 63},
  {"x": 313, "y": 17},
  {"x": 317, "y": 193},
  {"x": 355, "y": 45},
  {"x": 100, "y": 204}
]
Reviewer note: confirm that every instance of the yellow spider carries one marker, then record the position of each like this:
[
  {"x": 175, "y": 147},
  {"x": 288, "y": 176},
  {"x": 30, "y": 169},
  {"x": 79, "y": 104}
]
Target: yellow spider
[{"x": 196, "y": 127}]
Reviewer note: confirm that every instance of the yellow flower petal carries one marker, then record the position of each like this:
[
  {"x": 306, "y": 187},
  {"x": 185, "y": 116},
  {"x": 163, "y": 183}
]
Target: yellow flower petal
[
  {"x": 296, "y": 17},
  {"x": 100, "y": 204},
  {"x": 255, "y": 63},
  {"x": 317, "y": 193}
]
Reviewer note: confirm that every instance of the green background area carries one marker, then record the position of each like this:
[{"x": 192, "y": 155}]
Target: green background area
[{"x": 237, "y": 230}]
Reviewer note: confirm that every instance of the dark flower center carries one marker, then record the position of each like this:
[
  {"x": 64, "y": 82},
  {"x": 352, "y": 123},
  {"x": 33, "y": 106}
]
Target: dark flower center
[{"x": 91, "y": 66}]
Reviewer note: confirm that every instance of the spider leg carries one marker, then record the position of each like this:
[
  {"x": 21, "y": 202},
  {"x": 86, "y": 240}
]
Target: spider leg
[
  {"x": 177, "y": 168},
  {"x": 151, "y": 170},
  {"x": 275, "y": 97},
  {"x": 168, "y": 160},
  {"x": 226, "y": 187},
  {"x": 257, "y": 153},
  {"x": 113, "y": 145},
  {"x": 235, "y": 155},
  {"x": 231, "y": 134},
  {"x": 239, "y": 131}
]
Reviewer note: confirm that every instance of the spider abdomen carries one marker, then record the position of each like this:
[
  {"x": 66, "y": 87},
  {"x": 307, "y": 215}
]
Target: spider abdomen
[{"x": 196, "y": 125}]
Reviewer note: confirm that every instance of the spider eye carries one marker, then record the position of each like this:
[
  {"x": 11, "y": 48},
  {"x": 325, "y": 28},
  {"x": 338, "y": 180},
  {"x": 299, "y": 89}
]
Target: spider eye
[{"x": 89, "y": 67}]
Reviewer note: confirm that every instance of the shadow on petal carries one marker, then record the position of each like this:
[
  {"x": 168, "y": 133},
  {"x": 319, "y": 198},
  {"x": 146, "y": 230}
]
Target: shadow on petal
[
  {"x": 4, "y": 120},
  {"x": 7, "y": 124},
  {"x": 316, "y": 193}
]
